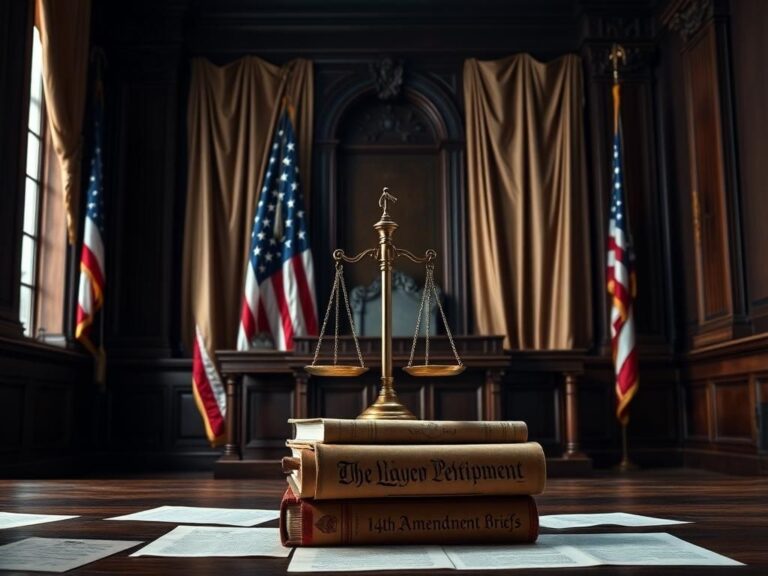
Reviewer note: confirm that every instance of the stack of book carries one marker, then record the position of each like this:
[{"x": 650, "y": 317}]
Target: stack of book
[{"x": 410, "y": 482}]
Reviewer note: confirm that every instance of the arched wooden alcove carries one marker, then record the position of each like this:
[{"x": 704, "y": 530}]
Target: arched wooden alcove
[{"x": 414, "y": 144}]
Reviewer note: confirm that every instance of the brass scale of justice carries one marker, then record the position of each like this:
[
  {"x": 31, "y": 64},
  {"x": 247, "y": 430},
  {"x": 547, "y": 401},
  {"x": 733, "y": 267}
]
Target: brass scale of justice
[{"x": 386, "y": 406}]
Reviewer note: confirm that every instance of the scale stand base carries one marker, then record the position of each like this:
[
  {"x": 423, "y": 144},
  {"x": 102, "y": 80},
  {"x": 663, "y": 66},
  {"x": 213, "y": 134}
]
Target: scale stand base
[{"x": 386, "y": 406}]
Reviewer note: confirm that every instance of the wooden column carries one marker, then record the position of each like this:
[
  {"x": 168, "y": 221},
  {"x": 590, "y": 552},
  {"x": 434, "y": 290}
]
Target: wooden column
[
  {"x": 572, "y": 448},
  {"x": 300, "y": 408},
  {"x": 234, "y": 396},
  {"x": 492, "y": 395}
]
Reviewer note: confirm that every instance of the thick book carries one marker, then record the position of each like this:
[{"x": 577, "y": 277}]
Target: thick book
[
  {"x": 494, "y": 519},
  {"x": 343, "y": 471},
  {"x": 346, "y": 431}
]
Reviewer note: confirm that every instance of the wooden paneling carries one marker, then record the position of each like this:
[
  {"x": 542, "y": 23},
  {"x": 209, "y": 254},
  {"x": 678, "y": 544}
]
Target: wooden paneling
[
  {"x": 340, "y": 400},
  {"x": 697, "y": 411},
  {"x": 750, "y": 52},
  {"x": 656, "y": 411},
  {"x": 268, "y": 409},
  {"x": 47, "y": 416},
  {"x": 462, "y": 402},
  {"x": 150, "y": 418},
  {"x": 140, "y": 291},
  {"x": 189, "y": 424},
  {"x": 534, "y": 398},
  {"x": 708, "y": 193},
  {"x": 11, "y": 424},
  {"x": 734, "y": 409},
  {"x": 52, "y": 410}
]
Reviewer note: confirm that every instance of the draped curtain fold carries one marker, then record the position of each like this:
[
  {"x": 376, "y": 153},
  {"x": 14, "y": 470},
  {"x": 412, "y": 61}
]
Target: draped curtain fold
[
  {"x": 231, "y": 114},
  {"x": 64, "y": 31},
  {"x": 529, "y": 243}
]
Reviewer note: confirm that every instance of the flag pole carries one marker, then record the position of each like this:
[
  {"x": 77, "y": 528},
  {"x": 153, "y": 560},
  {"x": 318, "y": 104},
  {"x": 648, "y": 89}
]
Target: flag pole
[{"x": 618, "y": 54}]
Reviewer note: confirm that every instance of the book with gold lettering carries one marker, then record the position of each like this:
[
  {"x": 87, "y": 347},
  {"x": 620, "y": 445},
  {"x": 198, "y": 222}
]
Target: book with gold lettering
[
  {"x": 344, "y": 471},
  {"x": 348, "y": 431},
  {"x": 484, "y": 519}
]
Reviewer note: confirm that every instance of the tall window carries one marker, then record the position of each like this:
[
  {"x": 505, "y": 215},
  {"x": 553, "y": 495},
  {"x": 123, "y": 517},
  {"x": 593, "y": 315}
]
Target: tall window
[
  {"x": 44, "y": 253},
  {"x": 32, "y": 191}
]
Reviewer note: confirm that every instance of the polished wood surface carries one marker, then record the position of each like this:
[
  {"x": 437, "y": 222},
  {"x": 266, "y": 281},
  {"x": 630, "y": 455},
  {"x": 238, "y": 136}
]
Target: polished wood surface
[{"x": 727, "y": 515}]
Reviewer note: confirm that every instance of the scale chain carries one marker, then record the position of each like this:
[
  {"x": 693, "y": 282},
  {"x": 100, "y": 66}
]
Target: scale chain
[
  {"x": 418, "y": 325},
  {"x": 339, "y": 272},
  {"x": 447, "y": 328},
  {"x": 334, "y": 289},
  {"x": 351, "y": 321}
]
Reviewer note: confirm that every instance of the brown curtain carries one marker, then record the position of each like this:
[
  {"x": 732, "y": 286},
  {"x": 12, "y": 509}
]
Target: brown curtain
[
  {"x": 232, "y": 111},
  {"x": 527, "y": 201},
  {"x": 64, "y": 29}
]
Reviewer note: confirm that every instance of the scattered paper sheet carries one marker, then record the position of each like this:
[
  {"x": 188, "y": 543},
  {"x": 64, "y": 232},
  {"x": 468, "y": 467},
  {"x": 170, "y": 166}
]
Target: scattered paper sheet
[
  {"x": 368, "y": 558},
  {"x": 563, "y": 521},
  {"x": 15, "y": 519},
  {"x": 573, "y": 550},
  {"x": 539, "y": 555},
  {"x": 57, "y": 554},
  {"x": 653, "y": 549},
  {"x": 195, "y": 515},
  {"x": 205, "y": 541}
]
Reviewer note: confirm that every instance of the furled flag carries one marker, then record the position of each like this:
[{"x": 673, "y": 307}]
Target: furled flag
[
  {"x": 210, "y": 397},
  {"x": 279, "y": 282},
  {"x": 621, "y": 280},
  {"x": 90, "y": 296}
]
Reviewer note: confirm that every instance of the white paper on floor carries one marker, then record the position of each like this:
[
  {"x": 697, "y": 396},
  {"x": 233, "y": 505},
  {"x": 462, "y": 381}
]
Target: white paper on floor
[
  {"x": 209, "y": 541},
  {"x": 17, "y": 519},
  {"x": 564, "y": 521},
  {"x": 57, "y": 554},
  {"x": 197, "y": 515}
]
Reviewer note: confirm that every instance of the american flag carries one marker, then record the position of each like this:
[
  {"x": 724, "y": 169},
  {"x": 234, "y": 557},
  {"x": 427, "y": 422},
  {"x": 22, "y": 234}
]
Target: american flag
[
  {"x": 90, "y": 296},
  {"x": 621, "y": 280},
  {"x": 279, "y": 283}
]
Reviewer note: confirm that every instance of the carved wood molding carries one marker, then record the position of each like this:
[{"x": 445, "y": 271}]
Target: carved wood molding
[{"x": 688, "y": 16}]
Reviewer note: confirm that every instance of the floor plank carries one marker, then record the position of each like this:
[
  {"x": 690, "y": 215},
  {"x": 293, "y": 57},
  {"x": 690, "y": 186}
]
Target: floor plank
[{"x": 728, "y": 515}]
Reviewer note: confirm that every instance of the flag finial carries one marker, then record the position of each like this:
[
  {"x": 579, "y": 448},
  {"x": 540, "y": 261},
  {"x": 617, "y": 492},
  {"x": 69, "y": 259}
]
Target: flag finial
[{"x": 617, "y": 53}]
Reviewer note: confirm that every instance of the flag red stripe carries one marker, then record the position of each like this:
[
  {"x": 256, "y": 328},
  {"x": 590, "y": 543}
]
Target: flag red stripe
[
  {"x": 83, "y": 318},
  {"x": 305, "y": 296},
  {"x": 247, "y": 321},
  {"x": 627, "y": 373},
  {"x": 89, "y": 260},
  {"x": 282, "y": 306},
  {"x": 205, "y": 392}
]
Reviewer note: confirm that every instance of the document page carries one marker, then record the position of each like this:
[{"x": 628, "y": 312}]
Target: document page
[
  {"x": 368, "y": 558},
  {"x": 195, "y": 515},
  {"x": 655, "y": 549},
  {"x": 509, "y": 557},
  {"x": 16, "y": 519},
  {"x": 564, "y": 521},
  {"x": 57, "y": 554},
  {"x": 204, "y": 541}
]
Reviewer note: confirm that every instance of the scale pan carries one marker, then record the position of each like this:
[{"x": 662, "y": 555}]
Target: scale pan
[
  {"x": 435, "y": 370},
  {"x": 339, "y": 370}
]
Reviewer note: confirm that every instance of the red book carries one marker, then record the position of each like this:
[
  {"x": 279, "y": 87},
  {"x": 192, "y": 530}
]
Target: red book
[{"x": 465, "y": 520}]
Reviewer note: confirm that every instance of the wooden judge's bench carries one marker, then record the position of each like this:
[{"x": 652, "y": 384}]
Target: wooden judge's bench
[{"x": 266, "y": 388}]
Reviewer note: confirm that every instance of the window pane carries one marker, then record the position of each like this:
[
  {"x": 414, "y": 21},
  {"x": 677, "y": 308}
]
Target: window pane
[
  {"x": 36, "y": 84},
  {"x": 27, "y": 260},
  {"x": 31, "y": 197},
  {"x": 37, "y": 65},
  {"x": 25, "y": 309},
  {"x": 34, "y": 114},
  {"x": 33, "y": 155}
]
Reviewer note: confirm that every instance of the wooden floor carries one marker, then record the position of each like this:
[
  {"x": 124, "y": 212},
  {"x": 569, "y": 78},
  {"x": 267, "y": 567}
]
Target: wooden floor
[{"x": 729, "y": 515}]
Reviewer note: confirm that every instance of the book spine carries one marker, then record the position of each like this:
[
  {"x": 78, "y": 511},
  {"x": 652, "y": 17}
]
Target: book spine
[
  {"x": 411, "y": 521},
  {"x": 372, "y": 471},
  {"x": 418, "y": 432}
]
